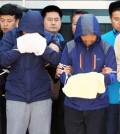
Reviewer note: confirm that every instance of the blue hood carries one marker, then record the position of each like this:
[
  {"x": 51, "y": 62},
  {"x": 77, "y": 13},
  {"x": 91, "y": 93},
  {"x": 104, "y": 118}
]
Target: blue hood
[
  {"x": 87, "y": 24},
  {"x": 32, "y": 22}
]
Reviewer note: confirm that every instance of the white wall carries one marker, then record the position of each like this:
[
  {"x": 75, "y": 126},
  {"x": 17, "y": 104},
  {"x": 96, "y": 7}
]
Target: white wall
[{"x": 65, "y": 4}]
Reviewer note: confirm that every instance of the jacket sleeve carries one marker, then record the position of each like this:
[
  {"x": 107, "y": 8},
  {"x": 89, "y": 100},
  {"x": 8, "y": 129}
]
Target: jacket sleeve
[
  {"x": 65, "y": 60},
  {"x": 110, "y": 61},
  {"x": 7, "y": 54},
  {"x": 51, "y": 56}
]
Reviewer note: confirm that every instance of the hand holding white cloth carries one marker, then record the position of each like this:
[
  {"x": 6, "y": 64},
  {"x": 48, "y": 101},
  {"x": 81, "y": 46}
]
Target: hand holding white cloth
[
  {"x": 85, "y": 85},
  {"x": 31, "y": 43}
]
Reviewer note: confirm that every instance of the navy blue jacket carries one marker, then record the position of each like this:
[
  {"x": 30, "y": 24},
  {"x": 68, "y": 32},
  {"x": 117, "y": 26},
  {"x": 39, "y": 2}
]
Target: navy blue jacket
[
  {"x": 85, "y": 59},
  {"x": 28, "y": 80}
]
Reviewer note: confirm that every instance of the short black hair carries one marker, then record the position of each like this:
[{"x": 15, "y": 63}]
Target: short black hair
[
  {"x": 78, "y": 12},
  {"x": 51, "y": 8},
  {"x": 10, "y": 9},
  {"x": 114, "y": 6}
]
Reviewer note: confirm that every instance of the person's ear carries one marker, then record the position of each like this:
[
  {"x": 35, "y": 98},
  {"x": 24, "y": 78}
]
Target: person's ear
[{"x": 17, "y": 22}]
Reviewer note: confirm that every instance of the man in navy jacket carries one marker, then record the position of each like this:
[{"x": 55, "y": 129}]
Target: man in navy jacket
[{"x": 10, "y": 16}]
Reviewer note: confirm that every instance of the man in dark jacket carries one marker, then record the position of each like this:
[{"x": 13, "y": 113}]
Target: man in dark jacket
[
  {"x": 9, "y": 19},
  {"x": 52, "y": 16},
  {"x": 28, "y": 86},
  {"x": 87, "y": 54}
]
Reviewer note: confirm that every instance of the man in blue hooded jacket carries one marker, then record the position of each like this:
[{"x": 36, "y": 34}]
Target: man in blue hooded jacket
[
  {"x": 88, "y": 53},
  {"x": 28, "y": 86}
]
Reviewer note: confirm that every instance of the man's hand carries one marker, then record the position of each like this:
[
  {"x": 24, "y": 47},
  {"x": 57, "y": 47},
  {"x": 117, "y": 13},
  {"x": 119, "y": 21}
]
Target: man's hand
[
  {"x": 54, "y": 47},
  {"x": 106, "y": 70},
  {"x": 60, "y": 69}
]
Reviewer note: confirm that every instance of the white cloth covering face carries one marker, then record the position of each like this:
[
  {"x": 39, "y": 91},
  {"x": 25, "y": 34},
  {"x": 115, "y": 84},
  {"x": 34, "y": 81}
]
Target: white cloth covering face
[
  {"x": 31, "y": 43},
  {"x": 85, "y": 85}
]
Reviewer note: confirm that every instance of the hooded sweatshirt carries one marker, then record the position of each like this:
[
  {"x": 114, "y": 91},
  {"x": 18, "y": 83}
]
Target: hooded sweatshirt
[
  {"x": 85, "y": 59},
  {"x": 28, "y": 79}
]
